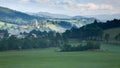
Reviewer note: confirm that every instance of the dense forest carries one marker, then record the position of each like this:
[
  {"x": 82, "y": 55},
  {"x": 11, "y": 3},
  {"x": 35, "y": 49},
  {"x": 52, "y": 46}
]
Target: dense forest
[{"x": 93, "y": 31}]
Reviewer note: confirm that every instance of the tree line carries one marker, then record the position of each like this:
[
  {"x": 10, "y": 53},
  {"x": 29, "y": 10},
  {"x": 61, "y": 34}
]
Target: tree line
[{"x": 42, "y": 40}]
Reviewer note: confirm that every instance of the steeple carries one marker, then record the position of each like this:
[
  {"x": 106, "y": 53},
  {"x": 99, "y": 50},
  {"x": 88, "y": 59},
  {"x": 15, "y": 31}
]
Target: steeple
[{"x": 36, "y": 24}]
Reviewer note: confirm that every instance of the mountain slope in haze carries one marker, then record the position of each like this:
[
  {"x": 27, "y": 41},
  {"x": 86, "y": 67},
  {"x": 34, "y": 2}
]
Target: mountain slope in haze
[
  {"x": 84, "y": 20},
  {"x": 51, "y": 15},
  {"x": 16, "y": 17},
  {"x": 106, "y": 17}
]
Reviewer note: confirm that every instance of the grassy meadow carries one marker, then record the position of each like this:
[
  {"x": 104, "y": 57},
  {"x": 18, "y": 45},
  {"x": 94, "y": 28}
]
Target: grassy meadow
[
  {"x": 108, "y": 57},
  {"x": 112, "y": 32}
]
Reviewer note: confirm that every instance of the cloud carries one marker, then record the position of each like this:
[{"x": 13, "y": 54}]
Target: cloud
[
  {"x": 73, "y": 4},
  {"x": 24, "y": 0},
  {"x": 70, "y": 7},
  {"x": 92, "y": 6},
  {"x": 42, "y": 1}
]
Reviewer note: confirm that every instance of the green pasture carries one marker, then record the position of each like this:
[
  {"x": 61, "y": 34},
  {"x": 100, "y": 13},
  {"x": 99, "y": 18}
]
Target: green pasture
[{"x": 107, "y": 57}]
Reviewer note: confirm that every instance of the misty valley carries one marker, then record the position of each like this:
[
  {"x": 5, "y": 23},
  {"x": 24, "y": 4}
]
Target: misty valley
[{"x": 51, "y": 40}]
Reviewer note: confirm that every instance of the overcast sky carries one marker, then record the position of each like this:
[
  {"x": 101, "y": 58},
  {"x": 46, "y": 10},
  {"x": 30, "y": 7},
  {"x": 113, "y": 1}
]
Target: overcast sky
[{"x": 68, "y": 7}]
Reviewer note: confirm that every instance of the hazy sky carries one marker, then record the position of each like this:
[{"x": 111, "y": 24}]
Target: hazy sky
[{"x": 68, "y": 7}]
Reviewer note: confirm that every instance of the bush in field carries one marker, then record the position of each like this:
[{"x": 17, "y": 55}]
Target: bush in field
[
  {"x": 81, "y": 47},
  {"x": 66, "y": 47},
  {"x": 117, "y": 37},
  {"x": 93, "y": 45}
]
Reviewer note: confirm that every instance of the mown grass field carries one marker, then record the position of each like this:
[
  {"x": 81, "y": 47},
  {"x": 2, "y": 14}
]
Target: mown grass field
[{"x": 108, "y": 57}]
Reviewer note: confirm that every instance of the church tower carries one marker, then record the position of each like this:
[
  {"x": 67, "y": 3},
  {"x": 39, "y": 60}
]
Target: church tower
[{"x": 36, "y": 24}]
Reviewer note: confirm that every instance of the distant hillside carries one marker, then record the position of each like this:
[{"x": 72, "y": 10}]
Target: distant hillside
[
  {"x": 60, "y": 22},
  {"x": 57, "y": 22},
  {"x": 85, "y": 20},
  {"x": 16, "y": 17},
  {"x": 51, "y": 15},
  {"x": 82, "y": 19},
  {"x": 106, "y": 17}
]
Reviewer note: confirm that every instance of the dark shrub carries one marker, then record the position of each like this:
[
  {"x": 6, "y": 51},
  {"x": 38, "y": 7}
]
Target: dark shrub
[
  {"x": 93, "y": 45},
  {"x": 66, "y": 47},
  {"x": 89, "y": 46}
]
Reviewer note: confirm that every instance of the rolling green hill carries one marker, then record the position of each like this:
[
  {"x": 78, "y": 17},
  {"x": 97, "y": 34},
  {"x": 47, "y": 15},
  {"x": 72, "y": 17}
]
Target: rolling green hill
[{"x": 112, "y": 32}]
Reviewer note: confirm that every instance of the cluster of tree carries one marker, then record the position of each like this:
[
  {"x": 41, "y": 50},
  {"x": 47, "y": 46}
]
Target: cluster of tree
[
  {"x": 44, "y": 34},
  {"x": 88, "y": 32},
  {"x": 40, "y": 40},
  {"x": 93, "y": 31},
  {"x": 107, "y": 37},
  {"x": 13, "y": 43},
  {"x": 4, "y": 34},
  {"x": 117, "y": 37},
  {"x": 109, "y": 24},
  {"x": 82, "y": 47}
]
